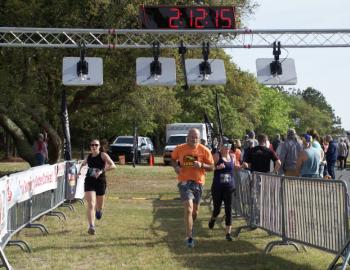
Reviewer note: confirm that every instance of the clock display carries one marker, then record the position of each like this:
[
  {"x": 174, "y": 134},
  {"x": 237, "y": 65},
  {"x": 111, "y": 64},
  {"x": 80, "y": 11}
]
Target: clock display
[{"x": 181, "y": 17}]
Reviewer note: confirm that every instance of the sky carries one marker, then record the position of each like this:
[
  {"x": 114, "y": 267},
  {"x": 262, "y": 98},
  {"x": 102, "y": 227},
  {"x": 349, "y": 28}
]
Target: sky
[{"x": 326, "y": 70}]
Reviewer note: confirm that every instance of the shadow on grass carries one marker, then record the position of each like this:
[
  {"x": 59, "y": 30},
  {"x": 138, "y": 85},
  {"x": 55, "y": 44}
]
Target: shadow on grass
[{"x": 211, "y": 250}]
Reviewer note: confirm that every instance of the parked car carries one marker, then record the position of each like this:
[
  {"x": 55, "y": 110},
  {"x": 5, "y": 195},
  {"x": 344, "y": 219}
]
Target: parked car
[{"x": 123, "y": 146}]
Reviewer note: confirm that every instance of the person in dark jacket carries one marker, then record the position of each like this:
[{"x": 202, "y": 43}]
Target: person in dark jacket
[{"x": 331, "y": 155}]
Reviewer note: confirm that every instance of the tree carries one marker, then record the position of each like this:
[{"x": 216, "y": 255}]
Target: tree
[
  {"x": 274, "y": 110},
  {"x": 31, "y": 85}
]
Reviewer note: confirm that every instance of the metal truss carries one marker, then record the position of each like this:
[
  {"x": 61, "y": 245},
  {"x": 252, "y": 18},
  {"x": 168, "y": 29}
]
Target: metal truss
[{"x": 136, "y": 38}]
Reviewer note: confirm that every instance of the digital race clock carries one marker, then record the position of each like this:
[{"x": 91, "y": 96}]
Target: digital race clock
[{"x": 184, "y": 17}]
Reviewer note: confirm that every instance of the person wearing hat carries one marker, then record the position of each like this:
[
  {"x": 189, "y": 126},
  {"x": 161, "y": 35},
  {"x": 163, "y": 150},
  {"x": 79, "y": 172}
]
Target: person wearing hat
[
  {"x": 308, "y": 162},
  {"x": 223, "y": 186},
  {"x": 40, "y": 150}
]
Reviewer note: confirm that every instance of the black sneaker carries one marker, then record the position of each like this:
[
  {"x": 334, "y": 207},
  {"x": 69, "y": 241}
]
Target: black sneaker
[
  {"x": 190, "y": 242},
  {"x": 229, "y": 237},
  {"x": 98, "y": 215},
  {"x": 211, "y": 223}
]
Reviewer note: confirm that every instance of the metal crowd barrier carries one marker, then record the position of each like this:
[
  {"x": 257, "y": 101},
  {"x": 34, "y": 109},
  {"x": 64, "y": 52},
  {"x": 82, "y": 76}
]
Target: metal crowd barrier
[
  {"x": 308, "y": 211},
  {"x": 242, "y": 198},
  {"x": 23, "y": 214}
]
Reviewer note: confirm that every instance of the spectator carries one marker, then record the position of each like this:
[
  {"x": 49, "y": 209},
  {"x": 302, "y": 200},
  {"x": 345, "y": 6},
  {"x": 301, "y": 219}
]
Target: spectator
[
  {"x": 251, "y": 136},
  {"x": 331, "y": 155},
  {"x": 347, "y": 147},
  {"x": 289, "y": 152},
  {"x": 236, "y": 150},
  {"x": 40, "y": 150},
  {"x": 223, "y": 186},
  {"x": 247, "y": 149},
  {"x": 342, "y": 153},
  {"x": 317, "y": 145},
  {"x": 276, "y": 142},
  {"x": 95, "y": 182},
  {"x": 308, "y": 162},
  {"x": 190, "y": 161},
  {"x": 260, "y": 157}
]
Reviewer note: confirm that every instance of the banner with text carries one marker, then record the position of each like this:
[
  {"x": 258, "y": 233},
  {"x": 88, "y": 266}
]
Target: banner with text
[{"x": 23, "y": 185}]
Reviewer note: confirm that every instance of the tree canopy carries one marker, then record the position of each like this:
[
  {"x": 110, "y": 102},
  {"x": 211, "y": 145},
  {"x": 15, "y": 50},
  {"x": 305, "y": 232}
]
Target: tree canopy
[{"x": 31, "y": 86}]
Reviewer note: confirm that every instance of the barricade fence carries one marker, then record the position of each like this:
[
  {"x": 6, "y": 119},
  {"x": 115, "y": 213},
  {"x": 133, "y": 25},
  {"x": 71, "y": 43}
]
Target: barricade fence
[
  {"x": 26, "y": 196},
  {"x": 308, "y": 211}
]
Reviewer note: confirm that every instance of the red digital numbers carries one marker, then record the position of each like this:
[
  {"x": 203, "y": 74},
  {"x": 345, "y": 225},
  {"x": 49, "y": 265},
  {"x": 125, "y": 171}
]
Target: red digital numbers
[
  {"x": 182, "y": 17},
  {"x": 225, "y": 19},
  {"x": 172, "y": 20},
  {"x": 199, "y": 20}
]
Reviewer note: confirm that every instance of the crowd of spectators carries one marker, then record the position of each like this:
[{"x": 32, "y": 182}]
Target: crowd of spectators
[{"x": 306, "y": 155}]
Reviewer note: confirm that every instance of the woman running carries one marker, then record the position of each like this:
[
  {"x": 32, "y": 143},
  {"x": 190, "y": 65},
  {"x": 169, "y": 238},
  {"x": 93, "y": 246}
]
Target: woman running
[
  {"x": 95, "y": 182},
  {"x": 223, "y": 186}
]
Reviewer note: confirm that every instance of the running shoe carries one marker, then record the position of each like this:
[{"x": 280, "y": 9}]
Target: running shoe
[
  {"x": 190, "y": 242},
  {"x": 98, "y": 215},
  {"x": 211, "y": 223},
  {"x": 229, "y": 237},
  {"x": 91, "y": 230}
]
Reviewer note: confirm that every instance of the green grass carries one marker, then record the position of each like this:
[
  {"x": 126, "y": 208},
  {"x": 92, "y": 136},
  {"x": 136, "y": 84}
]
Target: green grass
[
  {"x": 11, "y": 167},
  {"x": 149, "y": 234}
]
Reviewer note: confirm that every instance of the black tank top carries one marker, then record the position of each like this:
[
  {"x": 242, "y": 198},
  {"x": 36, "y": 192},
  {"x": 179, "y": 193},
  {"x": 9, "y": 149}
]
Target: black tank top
[
  {"x": 97, "y": 163},
  {"x": 224, "y": 178}
]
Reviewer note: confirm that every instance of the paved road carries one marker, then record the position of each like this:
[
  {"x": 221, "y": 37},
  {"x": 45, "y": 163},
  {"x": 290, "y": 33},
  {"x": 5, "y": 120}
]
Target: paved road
[{"x": 342, "y": 174}]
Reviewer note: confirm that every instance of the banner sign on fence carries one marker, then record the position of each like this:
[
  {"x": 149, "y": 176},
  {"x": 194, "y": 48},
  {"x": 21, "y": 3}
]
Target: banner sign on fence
[
  {"x": 36, "y": 180},
  {"x": 71, "y": 176},
  {"x": 61, "y": 169},
  {"x": 3, "y": 206},
  {"x": 79, "y": 191}
]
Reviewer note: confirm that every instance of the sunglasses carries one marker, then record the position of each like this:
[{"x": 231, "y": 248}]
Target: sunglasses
[
  {"x": 227, "y": 145},
  {"x": 94, "y": 144}
]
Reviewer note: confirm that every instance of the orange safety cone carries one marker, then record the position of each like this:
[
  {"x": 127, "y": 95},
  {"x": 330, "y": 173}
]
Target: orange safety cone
[{"x": 151, "y": 160}]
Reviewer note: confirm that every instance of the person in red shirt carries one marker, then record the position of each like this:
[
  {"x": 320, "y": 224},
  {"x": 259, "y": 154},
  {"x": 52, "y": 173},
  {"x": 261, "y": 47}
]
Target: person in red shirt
[{"x": 190, "y": 161}]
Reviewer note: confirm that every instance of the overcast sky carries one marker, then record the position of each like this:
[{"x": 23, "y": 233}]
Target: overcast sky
[{"x": 327, "y": 70}]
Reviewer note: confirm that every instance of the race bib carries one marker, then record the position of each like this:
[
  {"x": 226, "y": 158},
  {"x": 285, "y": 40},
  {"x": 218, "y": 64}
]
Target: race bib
[
  {"x": 188, "y": 161},
  {"x": 93, "y": 172},
  {"x": 225, "y": 178}
]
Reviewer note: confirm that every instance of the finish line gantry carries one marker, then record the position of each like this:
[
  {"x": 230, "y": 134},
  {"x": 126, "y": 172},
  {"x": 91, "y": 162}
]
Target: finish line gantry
[{"x": 142, "y": 39}]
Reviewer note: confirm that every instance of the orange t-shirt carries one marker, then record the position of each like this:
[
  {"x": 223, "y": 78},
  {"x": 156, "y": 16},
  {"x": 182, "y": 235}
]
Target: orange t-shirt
[{"x": 186, "y": 155}]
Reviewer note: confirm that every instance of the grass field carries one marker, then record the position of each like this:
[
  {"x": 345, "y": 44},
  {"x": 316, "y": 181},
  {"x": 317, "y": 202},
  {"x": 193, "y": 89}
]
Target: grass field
[{"x": 142, "y": 228}]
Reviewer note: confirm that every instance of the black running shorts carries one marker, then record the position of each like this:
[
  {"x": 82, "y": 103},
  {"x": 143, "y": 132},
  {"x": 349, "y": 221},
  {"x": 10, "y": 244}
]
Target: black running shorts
[{"x": 98, "y": 185}]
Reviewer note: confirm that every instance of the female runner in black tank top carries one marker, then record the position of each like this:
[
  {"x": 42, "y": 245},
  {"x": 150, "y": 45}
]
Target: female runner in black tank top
[
  {"x": 95, "y": 182},
  {"x": 223, "y": 185}
]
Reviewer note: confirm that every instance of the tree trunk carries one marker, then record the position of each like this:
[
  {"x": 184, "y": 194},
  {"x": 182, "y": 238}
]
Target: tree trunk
[{"x": 25, "y": 150}]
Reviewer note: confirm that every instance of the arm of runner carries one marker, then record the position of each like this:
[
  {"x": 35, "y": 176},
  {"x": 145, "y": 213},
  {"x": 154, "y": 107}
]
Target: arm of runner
[
  {"x": 175, "y": 165},
  {"x": 208, "y": 162},
  {"x": 109, "y": 164}
]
